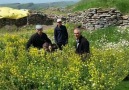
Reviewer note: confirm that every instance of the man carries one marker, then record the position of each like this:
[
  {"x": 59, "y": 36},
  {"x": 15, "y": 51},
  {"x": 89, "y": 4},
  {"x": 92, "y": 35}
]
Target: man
[
  {"x": 82, "y": 44},
  {"x": 46, "y": 47},
  {"x": 60, "y": 34},
  {"x": 38, "y": 39}
]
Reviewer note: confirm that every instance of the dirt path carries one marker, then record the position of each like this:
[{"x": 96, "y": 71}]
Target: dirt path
[{"x": 45, "y": 27}]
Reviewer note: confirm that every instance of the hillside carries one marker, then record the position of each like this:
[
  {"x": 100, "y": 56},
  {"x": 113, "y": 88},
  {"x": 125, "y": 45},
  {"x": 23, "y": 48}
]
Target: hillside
[
  {"x": 39, "y": 5},
  {"x": 122, "y": 5}
]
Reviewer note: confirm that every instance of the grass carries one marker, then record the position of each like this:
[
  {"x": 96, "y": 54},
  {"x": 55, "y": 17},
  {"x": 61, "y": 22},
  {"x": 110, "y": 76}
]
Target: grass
[
  {"x": 124, "y": 85},
  {"x": 122, "y": 5}
]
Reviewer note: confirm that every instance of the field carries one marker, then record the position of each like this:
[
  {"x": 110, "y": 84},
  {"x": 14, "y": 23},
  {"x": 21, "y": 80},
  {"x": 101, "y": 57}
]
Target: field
[{"x": 106, "y": 67}]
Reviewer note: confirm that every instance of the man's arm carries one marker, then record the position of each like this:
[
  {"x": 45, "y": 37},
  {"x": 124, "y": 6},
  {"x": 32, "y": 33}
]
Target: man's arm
[
  {"x": 48, "y": 40},
  {"x": 55, "y": 35},
  {"x": 86, "y": 51},
  {"x": 86, "y": 48},
  {"x": 66, "y": 33},
  {"x": 29, "y": 43}
]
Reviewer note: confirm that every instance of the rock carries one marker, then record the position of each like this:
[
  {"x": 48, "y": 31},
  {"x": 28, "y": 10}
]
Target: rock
[
  {"x": 99, "y": 26},
  {"x": 125, "y": 17}
]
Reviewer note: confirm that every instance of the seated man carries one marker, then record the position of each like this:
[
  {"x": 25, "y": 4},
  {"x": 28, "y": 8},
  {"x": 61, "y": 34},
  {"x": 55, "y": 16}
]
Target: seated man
[
  {"x": 46, "y": 47},
  {"x": 49, "y": 48}
]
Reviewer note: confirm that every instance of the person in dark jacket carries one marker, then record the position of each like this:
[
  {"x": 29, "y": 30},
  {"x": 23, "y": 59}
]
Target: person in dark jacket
[
  {"x": 38, "y": 39},
  {"x": 60, "y": 34},
  {"x": 82, "y": 44}
]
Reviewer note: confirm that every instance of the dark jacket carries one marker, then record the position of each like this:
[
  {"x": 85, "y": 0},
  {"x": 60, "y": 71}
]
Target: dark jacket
[
  {"x": 37, "y": 41},
  {"x": 83, "y": 46},
  {"x": 61, "y": 34}
]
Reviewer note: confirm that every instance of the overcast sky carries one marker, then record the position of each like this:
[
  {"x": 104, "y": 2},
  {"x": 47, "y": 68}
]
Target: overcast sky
[{"x": 28, "y": 1}]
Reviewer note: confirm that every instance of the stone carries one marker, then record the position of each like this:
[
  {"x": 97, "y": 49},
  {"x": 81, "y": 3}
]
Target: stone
[
  {"x": 125, "y": 17},
  {"x": 95, "y": 16},
  {"x": 99, "y": 26},
  {"x": 105, "y": 15},
  {"x": 125, "y": 21},
  {"x": 113, "y": 17}
]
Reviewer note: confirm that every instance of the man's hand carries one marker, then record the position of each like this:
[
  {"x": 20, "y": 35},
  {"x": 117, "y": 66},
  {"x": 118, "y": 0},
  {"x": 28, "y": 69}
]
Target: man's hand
[
  {"x": 50, "y": 47},
  {"x": 66, "y": 42}
]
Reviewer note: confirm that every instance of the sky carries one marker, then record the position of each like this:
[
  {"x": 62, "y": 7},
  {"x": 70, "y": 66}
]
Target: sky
[{"x": 32, "y": 1}]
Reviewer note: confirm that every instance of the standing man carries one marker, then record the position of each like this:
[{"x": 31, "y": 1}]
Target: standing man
[
  {"x": 82, "y": 44},
  {"x": 38, "y": 39},
  {"x": 60, "y": 34}
]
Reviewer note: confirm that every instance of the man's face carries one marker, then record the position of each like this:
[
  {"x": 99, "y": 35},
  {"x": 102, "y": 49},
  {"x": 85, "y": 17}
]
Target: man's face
[
  {"x": 39, "y": 31},
  {"x": 59, "y": 23},
  {"x": 77, "y": 34}
]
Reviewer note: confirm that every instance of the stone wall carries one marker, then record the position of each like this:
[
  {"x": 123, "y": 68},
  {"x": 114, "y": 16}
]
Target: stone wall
[{"x": 95, "y": 18}]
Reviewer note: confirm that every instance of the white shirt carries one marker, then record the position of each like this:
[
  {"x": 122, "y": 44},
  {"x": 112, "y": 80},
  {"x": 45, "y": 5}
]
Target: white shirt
[{"x": 77, "y": 42}]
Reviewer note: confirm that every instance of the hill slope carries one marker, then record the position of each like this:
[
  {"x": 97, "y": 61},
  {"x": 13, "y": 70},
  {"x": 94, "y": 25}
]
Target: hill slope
[
  {"x": 122, "y": 5},
  {"x": 39, "y": 5}
]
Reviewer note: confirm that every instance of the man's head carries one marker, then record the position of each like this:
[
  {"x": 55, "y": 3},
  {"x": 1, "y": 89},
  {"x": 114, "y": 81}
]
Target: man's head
[
  {"x": 59, "y": 22},
  {"x": 39, "y": 29},
  {"x": 77, "y": 33},
  {"x": 46, "y": 46}
]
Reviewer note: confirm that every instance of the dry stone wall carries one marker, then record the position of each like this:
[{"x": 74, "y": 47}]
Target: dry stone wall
[{"x": 96, "y": 18}]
